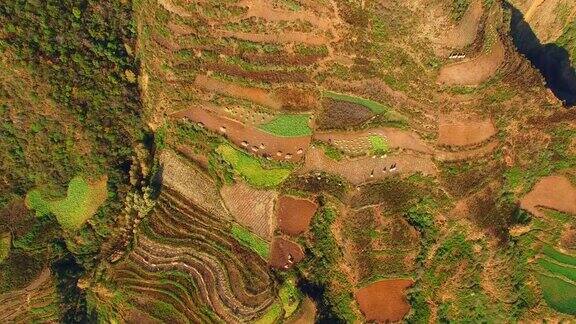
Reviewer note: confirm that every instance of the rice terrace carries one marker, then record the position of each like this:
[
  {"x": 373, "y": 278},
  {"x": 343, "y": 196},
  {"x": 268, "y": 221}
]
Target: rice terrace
[{"x": 288, "y": 161}]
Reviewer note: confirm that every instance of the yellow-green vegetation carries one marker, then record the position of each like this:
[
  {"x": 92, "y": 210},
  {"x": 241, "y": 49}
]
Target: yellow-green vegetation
[
  {"x": 374, "y": 106},
  {"x": 251, "y": 241},
  {"x": 271, "y": 315},
  {"x": 290, "y": 297},
  {"x": 288, "y": 125},
  {"x": 5, "y": 242},
  {"x": 82, "y": 201},
  {"x": 558, "y": 280},
  {"x": 251, "y": 169},
  {"x": 379, "y": 144}
]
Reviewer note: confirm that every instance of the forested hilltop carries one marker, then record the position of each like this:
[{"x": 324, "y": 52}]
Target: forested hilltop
[{"x": 70, "y": 116}]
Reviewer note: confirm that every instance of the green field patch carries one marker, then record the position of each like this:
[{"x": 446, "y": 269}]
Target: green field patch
[
  {"x": 558, "y": 256},
  {"x": 290, "y": 297},
  {"x": 81, "y": 202},
  {"x": 271, "y": 315},
  {"x": 374, "y": 106},
  {"x": 251, "y": 169},
  {"x": 379, "y": 144},
  {"x": 288, "y": 125},
  {"x": 559, "y": 294},
  {"x": 5, "y": 243},
  {"x": 558, "y": 269},
  {"x": 251, "y": 241}
]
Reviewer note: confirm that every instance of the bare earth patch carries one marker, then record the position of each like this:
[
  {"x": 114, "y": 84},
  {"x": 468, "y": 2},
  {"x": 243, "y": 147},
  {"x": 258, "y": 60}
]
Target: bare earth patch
[
  {"x": 554, "y": 192},
  {"x": 475, "y": 71},
  {"x": 452, "y": 132},
  {"x": 385, "y": 300},
  {"x": 464, "y": 33},
  {"x": 466, "y": 155},
  {"x": 294, "y": 214},
  {"x": 251, "y": 207},
  {"x": 365, "y": 169}
]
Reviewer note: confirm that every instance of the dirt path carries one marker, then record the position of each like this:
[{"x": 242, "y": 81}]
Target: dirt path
[
  {"x": 250, "y": 138},
  {"x": 365, "y": 169},
  {"x": 475, "y": 71},
  {"x": 251, "y": 207},
  {"x": 554, "y": 192},
  {"x": 395, "y": 138}
]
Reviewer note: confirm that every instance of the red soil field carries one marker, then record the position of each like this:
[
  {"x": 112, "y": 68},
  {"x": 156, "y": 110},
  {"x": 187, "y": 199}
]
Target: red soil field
[
  {"x": 554, "y": 192},
  {"x": 285, "y": 253},
  {"x": 250, "y": 138},
  {"x": 462, "y": 133},
  {"x": 384, "y": 301},
  {"x": 294, "y": 214}
]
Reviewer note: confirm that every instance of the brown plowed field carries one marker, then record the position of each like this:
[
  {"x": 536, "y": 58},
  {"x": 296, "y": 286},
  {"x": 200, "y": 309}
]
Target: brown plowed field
[
  {"x": 554, "y": 192},
  {"x": 285, "y": 253},
  {"x": 365, "y": 169},
  {"x": 466, "y": 155},
  {"x": 475, "y": 71},
  {"x": 191, "y": 183},
  {"x": 256, "y": 95},
  {"x": 396, "y": 138},
  {"x": 267, "y": 11},
  {"x": 385, "y": 300},
  {"x": 294, "y": 214},
  {"x": 251, "y": 207},
  {"x": 463, "y": 133},
  {"x": 341, "y": 115},
  {"x": 254, "y": 140}
]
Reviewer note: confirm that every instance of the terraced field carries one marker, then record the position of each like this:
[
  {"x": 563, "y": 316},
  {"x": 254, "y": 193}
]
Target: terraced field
[
  {"x": 37, "y": 302},
  {"x": 203, "y": 266}
]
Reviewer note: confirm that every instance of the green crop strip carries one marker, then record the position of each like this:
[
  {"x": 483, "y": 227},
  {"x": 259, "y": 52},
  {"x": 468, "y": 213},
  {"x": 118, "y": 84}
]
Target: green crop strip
[
  {"x": 251, "y": 169},
  {"x": 288, "y": 126},
  {"x": 379, "y": 144},
  {"x": 251, "y": 241}
]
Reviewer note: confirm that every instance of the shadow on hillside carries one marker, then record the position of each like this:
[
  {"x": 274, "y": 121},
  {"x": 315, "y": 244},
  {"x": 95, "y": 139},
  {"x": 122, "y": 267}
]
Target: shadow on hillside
[{"x": 551, "y": 60}]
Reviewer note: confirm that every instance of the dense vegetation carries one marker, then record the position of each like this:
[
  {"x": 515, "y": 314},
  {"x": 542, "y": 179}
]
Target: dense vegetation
[{"x": 69, "y": 106}]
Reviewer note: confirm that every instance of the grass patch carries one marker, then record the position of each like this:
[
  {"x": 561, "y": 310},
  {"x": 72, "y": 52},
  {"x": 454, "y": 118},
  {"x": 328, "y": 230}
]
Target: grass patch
[
  {"x": 559, "y": 294},
  {"x": 379, "y": 144},
  {"x": 558, "y": 256},
  {"x": 459, "y": 8},
  {"x": 251, "y": 241},
  {"x": 5, "y": 243},
  {"x": 289, "y": 125},
  {"x": 374, "y": 106},
  {"x": 290, "y": 297},
  {"x": 558, "y": 269},
  {"x": 251, "y": 169},
  {"x": 271, "y": 315},
  {"x": 81, "y": 203}
]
